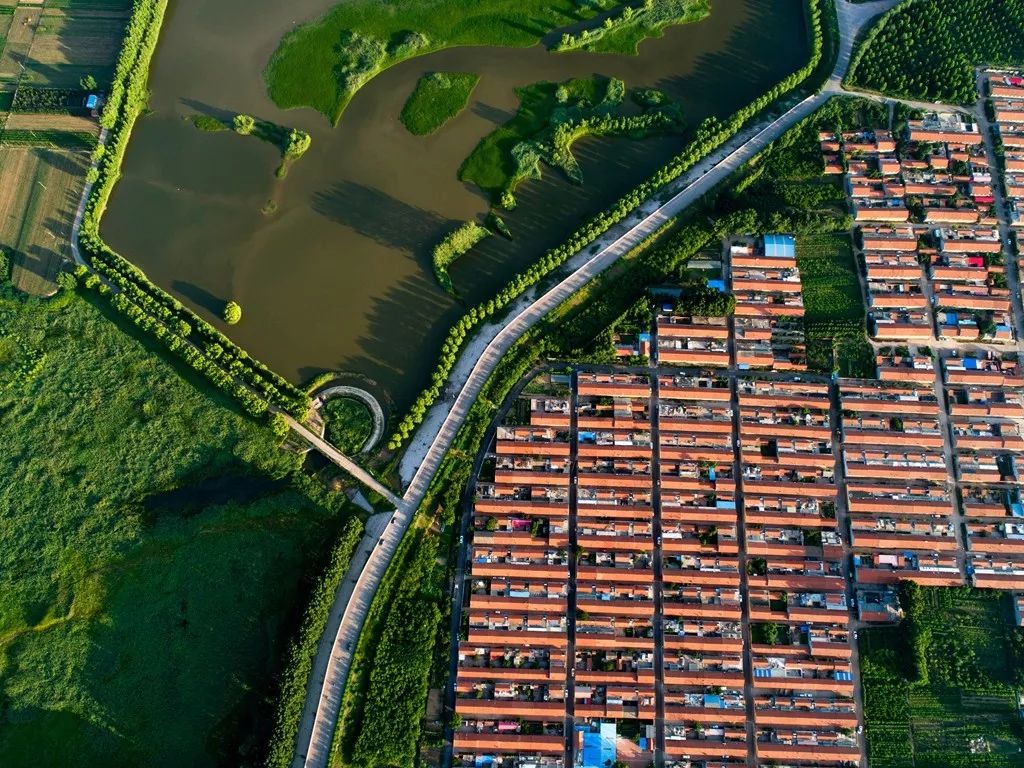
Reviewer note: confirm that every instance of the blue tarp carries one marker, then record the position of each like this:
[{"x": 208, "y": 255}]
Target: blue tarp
[
  {"x": 718, "y": 285},
  {"x": 780, "y": 246},
  {"x": 587, "y": 437},
  {"x": 599, "y": 747},
  {"x": 725, "y": 505},
  {"x": 845, "y": 676},
  {"x": 711, "y": 474},
  {"x": 645, "y": 337},
  {"x": 92, "y": 101},
  {"x": 712, "y": 700},
  {"x": 971, "y": 363},
  {"x": 951, "y": 318},
  {"x": 483, "y": 761}
]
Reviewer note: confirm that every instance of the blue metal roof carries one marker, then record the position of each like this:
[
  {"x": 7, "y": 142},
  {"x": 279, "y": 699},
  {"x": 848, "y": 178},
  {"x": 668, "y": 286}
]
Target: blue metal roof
[
  {"x": 599, "y": 748},
  {"x": 780, "y": 246}
]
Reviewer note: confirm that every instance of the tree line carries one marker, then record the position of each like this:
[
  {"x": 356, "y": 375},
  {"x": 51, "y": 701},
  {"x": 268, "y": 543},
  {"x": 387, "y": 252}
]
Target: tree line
[{"x": 295, "y": 679}]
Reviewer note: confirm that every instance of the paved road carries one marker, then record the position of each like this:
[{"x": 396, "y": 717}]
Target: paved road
[
  {"x": 483, "y": 353},
  {"x": 338, "y": 640}
]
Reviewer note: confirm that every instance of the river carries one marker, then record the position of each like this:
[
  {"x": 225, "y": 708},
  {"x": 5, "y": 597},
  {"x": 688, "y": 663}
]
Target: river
[{"x": 339, "y": 276}]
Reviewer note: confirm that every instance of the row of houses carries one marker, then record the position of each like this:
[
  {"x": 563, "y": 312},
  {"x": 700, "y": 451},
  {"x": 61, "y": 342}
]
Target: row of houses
[
  {"x": 898, "y": 498},
  {"x": 511, "y": 682},
  {"x": 646, "y": 468},
  {"x": 765, "y": 280},
  {"x": 800, "y": 653},
  {"x": 1005, "y": 91},
  {"x": 931, "y": 248},
  {"x": 705, "y": 703},
  {"x": 985, "y": 396}
]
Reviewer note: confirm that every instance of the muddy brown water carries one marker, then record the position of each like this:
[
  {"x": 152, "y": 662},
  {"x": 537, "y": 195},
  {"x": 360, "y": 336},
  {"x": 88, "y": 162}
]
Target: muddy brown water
[{"x": 339, "y": 276}]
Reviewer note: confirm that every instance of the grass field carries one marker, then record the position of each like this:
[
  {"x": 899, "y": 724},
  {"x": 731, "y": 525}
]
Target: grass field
[
  {"x": 973, "y": 672},
  {"x": 39, "y": 192},
  {"x": 624, "y": 35},
  {"x": 322, "y": 64},
  {"x": 349, "y": 424},
  {"x": 550, "y": 119},
  {"x": 69, "y": 44},
  {"x": 491, "y": 165},
  {"x": 156, "y": 545},
  {"x": 437, "y": 98}
]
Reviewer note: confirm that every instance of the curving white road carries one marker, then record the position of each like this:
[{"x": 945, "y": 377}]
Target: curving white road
[{"x": 482, "y": 354}]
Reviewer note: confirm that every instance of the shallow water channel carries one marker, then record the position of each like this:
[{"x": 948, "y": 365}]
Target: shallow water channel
[{"x": 339, "y": 276}]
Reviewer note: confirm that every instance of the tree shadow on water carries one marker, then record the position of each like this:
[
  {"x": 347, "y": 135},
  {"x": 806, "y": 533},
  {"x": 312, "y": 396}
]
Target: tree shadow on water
[
  {"x": 492, "y": 114},
  {"x": 199, "y": 296},
  {"x": 383, "y": 218}
]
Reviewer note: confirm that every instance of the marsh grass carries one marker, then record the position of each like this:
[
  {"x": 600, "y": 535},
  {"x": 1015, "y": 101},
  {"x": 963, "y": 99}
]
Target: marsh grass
[
  {"x": 156, "y": 545},
  {"x": 437, "y": 98}
]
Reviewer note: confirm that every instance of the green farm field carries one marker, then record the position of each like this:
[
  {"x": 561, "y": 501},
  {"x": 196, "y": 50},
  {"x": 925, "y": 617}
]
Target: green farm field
[
  {"x": 158, "y": 548},
  {"x": 964, "y": 715}
]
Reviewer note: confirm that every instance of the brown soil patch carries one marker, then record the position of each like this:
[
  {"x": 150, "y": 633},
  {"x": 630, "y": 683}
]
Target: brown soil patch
[{"x": 43, "y": 122}]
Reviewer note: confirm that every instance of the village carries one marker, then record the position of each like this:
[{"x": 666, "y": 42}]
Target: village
[{"x": 676, "y": 555}]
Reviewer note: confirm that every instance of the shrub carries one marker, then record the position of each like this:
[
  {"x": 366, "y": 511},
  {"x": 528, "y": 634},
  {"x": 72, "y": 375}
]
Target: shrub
[
  {"x": 455, "y": 244},
  {"x": 295, "y": 679},
  {"x": 297, "y": 144},
  {"x": 244, "y": 124},
  {"x": 232, "y": 313},
  {"x": 208, "y": 123}
]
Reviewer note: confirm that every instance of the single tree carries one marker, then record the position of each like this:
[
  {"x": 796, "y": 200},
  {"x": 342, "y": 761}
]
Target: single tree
[
  {"x": 88, "y": 83},
  {"x": 244, "y": 124},
  {"x": 232, "y": 313},
  {"x": 298, "y": 143}
]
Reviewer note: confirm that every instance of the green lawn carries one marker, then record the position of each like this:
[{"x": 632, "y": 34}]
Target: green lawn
[
  {"x": 324, "y": 63},
  {"x": 973, "y": 670},
  {"x": 438, "y": 97},
  {"x": 349, "y": 424},
  {"x": 156, "y": 546}
]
